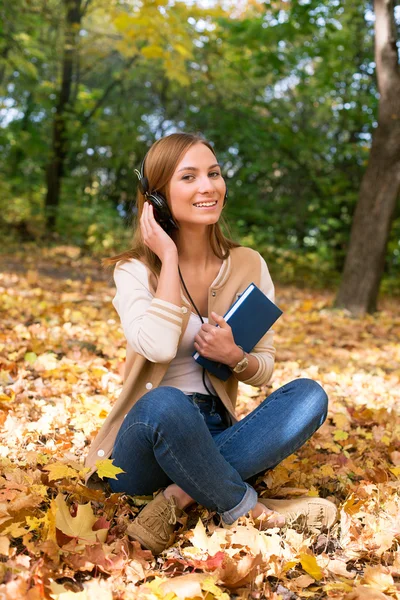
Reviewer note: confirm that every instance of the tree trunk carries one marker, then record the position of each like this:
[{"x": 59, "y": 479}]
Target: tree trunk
[
  {"x": 380, "y": 186},
  {"x": 55, "y": 167}
]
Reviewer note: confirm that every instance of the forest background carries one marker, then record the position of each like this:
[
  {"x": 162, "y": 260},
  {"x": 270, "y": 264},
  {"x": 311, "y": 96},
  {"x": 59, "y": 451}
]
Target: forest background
[{"x": 287, "y": 92}]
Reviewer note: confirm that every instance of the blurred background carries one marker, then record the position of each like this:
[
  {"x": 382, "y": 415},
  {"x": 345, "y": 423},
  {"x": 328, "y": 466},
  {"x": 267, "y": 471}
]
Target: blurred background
[{"x": 287, "y": 91}]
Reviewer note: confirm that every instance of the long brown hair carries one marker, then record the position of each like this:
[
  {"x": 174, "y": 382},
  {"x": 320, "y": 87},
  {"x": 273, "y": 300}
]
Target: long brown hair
[{"x": 161, "y": 162}]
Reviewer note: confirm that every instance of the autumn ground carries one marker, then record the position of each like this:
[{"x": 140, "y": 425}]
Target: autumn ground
[{"x": 61, "y": 360}]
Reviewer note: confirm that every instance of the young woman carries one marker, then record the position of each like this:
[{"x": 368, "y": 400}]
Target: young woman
[{"x": 173, "y": 428}]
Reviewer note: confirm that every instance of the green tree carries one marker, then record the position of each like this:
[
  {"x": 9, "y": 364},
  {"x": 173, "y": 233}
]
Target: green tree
[{"x": 380, "y": 186}]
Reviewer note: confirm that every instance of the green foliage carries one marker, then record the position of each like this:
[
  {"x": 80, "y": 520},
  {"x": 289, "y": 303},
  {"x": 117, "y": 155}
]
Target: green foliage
[{"x": 286, "y": 92}]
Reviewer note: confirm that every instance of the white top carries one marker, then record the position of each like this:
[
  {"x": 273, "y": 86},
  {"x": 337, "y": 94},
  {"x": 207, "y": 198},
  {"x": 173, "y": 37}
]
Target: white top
[
  {"x": 184, "y": 372},
  {"x": 152, "y": 327}
]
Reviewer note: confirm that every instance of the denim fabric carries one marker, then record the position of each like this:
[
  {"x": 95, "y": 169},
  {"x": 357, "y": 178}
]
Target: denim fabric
[{"x": 169, "y": 436}]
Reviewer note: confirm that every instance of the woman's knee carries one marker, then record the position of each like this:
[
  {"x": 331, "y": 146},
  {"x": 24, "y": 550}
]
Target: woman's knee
[{"x": 316, "y": 397}]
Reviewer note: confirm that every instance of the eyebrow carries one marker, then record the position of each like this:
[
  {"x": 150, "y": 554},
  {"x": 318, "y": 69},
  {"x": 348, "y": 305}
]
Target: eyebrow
[{"x": 196, "y": 169}]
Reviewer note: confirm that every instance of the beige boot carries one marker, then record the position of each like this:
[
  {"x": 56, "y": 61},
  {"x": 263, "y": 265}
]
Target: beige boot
[
  {"x": 317, "y": 512},
  {"x": 155, "y": 525}
]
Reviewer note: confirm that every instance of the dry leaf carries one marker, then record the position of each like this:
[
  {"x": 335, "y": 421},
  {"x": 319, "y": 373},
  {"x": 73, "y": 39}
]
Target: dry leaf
[
  {"x": 362, "y": 592},
  {"x": 378, "y": 577},
  {"x": 105, "y": 468},
  {"x": 81, "y": 526}
]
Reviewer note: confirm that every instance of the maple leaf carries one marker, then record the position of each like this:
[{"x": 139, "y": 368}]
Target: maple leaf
[
  {"x": 378, "y": 577},
  {"x": 236, "y": 573},
  {"x": 310, "y": 565},
  {"x": 15, "y": 530},
  {"x": 362, "y": 592},
  {"x": 340, "y": 435},
  {"x": 60, "y": 470},
  {"x": 80, "y": 526},
  {"x": 105, "y": 468}
]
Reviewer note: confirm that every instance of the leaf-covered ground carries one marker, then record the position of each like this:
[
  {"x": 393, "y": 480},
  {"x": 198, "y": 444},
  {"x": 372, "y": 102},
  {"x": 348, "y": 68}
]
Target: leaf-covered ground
[{"x": 61, "y": 361}]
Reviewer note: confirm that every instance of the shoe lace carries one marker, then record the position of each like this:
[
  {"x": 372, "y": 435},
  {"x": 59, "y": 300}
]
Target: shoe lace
[
  {"x": 161, "y": 519},
  {"x": 315, "y": 521}
]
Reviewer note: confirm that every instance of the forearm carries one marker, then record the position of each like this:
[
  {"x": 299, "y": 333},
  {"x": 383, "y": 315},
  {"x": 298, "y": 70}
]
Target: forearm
[{"x": 168, "y": 287}]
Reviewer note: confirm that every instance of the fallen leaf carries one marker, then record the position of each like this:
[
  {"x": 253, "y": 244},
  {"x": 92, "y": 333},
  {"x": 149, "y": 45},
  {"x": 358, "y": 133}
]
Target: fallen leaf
[
  {"x": 80, "y": 526},
  {"x": 105, "y": 468},
  {"x": 310, "y": 565},
  {"x": 378, "y": 577},
  {"x": 366, "y": 593},
  {"x": 60, "y": 470}
]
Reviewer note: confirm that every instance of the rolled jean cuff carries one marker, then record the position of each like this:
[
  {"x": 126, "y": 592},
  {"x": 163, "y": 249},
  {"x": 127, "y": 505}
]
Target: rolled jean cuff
[{"x": 246, "y": 504}]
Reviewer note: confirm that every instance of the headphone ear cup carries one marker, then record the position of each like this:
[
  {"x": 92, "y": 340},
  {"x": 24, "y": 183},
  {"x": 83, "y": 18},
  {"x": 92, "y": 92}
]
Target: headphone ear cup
[
  {"x": 144, "y": 185},
  {"x": 163, "y": 214}
]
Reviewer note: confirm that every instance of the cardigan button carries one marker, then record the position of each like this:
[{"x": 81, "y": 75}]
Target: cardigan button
[
  {"x": 184, "y": 310},
  {"x": 149, "y": 385},
  {"x": 100, "y": 453}
]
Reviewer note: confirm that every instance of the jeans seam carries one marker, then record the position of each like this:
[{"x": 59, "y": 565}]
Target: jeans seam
[
  {"x": 175, "y": 459},
  {"x": 255, "y": 415}
]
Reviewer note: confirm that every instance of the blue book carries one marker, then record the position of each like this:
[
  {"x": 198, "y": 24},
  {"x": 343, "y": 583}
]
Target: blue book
[{"x": 250, "y": 317}]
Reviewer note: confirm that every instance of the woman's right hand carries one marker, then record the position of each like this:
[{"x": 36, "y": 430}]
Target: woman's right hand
[{"x": 154, "y": 236}]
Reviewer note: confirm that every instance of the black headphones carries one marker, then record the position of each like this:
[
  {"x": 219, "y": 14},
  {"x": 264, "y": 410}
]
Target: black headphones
[{"x": 162, "y": 212}]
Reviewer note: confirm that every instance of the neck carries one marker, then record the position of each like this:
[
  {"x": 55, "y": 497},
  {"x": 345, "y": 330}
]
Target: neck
[{"x": 194, "y": 248}]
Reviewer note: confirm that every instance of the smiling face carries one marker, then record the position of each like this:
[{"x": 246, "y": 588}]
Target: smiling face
[{"x": 197, "y": 188}]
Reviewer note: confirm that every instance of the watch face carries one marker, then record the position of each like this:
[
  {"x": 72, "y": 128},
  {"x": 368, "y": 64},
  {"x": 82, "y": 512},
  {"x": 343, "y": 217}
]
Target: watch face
[{"x": 242, "y": 365}]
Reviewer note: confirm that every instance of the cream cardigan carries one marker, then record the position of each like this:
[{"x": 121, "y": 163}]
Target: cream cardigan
[{"x": 154, "y": 328}]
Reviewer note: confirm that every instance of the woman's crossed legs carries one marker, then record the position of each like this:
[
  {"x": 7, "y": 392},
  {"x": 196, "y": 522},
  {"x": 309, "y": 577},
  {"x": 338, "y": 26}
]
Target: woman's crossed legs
[{"x": 165, "y": 439}]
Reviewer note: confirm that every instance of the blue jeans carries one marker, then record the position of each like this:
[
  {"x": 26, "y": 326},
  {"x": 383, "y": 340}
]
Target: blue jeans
[{"x": 170, "y": 437}]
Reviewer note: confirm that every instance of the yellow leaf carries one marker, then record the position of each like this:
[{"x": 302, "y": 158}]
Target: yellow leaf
[
  {"x": 208, "y": 585},
  {"x": 47, "y": 523},
  {"x": 60, "y": 471},
  {"x": 80, "y": 526},
  {"x": 185, "y": 52},
  {"x": 152, "y": 51},
  {"x": 105, "y": 468},
  {"x": 15, "y": 530},
  {"x": 327, "y": 471},
  {"x": 30, "y": 357},
  {"x": 310, "y": 566},
  {"x": 340, "y": 435},
  {"x": 5, "y": 398},
  {"x": 289, "y": 565},
  {"x": 342, "y": 586},
  {"x": 395, "y": 471},
  {"x": 341, "y": 420},
  {"x": 39, "y": 490},
  {"x": 352, "y": 505}
]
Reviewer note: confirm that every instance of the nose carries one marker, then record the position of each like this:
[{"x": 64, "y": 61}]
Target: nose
[{"x": 205, "y": 185}]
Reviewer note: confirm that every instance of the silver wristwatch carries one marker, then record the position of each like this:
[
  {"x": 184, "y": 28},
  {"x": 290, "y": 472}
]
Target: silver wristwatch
[{"x": 242, "y": 364}]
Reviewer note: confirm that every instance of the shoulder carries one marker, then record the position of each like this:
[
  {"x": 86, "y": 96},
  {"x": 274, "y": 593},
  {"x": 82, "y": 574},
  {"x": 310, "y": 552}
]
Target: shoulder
[
  {"x": 126, "y": 269},
  {"x": 243, "y": 256}
]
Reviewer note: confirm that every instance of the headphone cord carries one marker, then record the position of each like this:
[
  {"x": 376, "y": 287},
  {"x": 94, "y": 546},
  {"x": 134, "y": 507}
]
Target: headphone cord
[{"x": 201, "y": 318}]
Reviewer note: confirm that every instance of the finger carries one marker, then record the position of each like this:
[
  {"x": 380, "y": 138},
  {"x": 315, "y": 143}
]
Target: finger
[
  {"x": 207, "y": 327},
  {"x": 146, "y": 222},
  {"x": 220, "y": 320},
  {"x": 143, "y": 221}
]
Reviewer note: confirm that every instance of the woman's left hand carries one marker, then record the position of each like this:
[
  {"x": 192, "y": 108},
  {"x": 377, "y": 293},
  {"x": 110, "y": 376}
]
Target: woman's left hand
[{"x": 216, "y": 343}]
